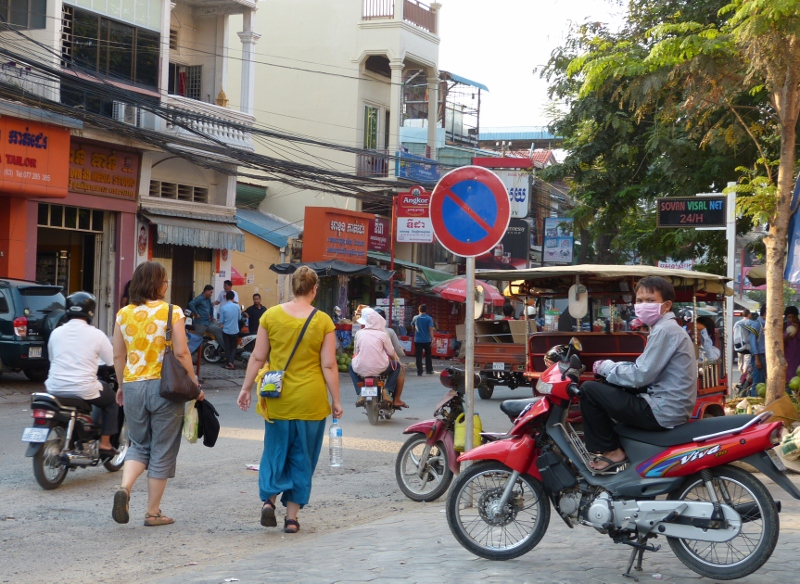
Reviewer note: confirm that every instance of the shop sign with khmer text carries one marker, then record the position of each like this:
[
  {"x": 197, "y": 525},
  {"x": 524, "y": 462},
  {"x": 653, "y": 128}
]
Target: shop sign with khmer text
[{"x": 96, "y": 170}]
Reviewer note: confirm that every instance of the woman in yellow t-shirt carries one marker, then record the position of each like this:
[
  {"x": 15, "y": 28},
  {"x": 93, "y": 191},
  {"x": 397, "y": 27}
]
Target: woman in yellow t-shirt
[
  {"x": 154, "y": 423},
  {"x": 295, "y": 422}
]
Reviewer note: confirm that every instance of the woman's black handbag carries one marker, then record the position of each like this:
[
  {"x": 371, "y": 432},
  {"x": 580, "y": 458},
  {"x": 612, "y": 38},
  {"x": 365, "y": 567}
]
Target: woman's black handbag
[{"x": 176, "y": 383}]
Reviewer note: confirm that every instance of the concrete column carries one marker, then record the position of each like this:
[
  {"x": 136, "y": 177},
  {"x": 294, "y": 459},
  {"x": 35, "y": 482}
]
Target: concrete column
[
  {"x": 395, "y": 106},
  {"x": 249, "y": 40},
  {"x": 221, "y": 68},
  {"x": 398, "y": 9},
  {"x": 435, "y": 8},
  {"x": 166, "y": 15},
  {"x": 433, "y": 112}
]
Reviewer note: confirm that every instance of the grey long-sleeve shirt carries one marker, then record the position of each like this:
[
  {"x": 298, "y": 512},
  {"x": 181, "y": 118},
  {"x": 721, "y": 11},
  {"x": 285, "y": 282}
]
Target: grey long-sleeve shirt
[{"x": 667, "y": 368}]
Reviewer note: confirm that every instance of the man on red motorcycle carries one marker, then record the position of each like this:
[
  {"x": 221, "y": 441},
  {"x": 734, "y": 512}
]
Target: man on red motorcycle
[{"x": 657, "y": 392}]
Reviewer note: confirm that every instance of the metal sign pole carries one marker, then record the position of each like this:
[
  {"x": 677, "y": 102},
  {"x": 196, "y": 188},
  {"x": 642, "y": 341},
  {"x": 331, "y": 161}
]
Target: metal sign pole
[
  {"x": 730, "y": 232},
  {"x": 469, "y": 358}
]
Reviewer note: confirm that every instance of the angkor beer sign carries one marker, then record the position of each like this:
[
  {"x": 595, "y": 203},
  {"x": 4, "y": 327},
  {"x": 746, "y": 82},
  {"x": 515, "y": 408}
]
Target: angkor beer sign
[
  {"x": 691, "y": 212},
  {"x": 413, "y": 217}
]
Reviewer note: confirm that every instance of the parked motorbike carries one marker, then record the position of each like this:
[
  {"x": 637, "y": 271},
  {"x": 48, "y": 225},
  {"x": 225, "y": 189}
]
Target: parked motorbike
[
  {"x": 213, "y": 350},
  {"x": 719, "y": 520},
  {"x": 66, "y": 436},
  {"x": 427, "y": 461},
  {"x": 377, "y": 401}
]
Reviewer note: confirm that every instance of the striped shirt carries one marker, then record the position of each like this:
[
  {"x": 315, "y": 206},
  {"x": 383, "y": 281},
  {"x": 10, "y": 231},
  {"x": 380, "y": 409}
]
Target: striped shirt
[{"x": 667, "y": 368}]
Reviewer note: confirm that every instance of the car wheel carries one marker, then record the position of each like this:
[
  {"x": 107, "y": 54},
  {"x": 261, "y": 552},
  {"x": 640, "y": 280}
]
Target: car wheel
[{"x": 36, "y": 375}]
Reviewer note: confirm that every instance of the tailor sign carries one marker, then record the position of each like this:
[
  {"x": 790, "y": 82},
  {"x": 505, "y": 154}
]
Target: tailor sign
[
  {"x": 470, "y": 211},
  {"x": 34, "y": 159},
  {"x": 413, "y": 217}
]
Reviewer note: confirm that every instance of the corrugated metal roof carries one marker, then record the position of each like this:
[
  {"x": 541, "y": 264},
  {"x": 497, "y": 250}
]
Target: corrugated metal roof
[
  {"x": 270, "y": 228},
  {"x": 250, "y": 195},
  {"x": 517, "y": 133},
  {"x": 465, "y": 81},
  {"x": 195, "y": 233}
]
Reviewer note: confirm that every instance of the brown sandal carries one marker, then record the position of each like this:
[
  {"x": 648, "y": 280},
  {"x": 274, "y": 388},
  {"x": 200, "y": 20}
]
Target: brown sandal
[
  {"x": 291, "y": 525},
  {"x": 122, "y": 499},
  {"x": 157, "y": 520},
  {"x": 268, "y": 514}
]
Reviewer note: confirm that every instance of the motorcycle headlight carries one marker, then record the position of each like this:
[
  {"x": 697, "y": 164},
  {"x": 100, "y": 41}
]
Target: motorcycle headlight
[{"x": 544, "y": 387}]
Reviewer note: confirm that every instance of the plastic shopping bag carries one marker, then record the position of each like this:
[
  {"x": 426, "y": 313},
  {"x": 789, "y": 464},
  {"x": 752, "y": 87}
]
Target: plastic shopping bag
[{"x": 191, "y": 421}]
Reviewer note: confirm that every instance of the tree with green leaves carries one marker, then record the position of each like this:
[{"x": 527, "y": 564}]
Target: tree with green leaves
[{"x": 727, "y": 76}]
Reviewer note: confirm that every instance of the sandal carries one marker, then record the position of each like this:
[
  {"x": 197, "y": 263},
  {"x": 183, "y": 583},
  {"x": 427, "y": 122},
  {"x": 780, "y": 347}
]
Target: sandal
[
  {"x": 290, "y": 525},
  {"x": 360, "y": 402},
  {"x": 230, "y": 367},
  {"x": 268, "y": 514},
  {"x": 120, "y": 510},
  {"x": 157, "y": 520},
  {"x": 399, "y": 406},
  {"x": 611, "y": 467}
]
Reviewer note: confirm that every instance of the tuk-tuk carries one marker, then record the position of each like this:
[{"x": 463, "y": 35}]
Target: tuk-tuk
[{"x": 600, "y": 300}]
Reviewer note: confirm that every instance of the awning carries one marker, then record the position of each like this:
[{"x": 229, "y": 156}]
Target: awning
[
  {"x": 431, "y": 275},
  {"x": 197, "y": 233},
  {"x": 335, "y": 268}
]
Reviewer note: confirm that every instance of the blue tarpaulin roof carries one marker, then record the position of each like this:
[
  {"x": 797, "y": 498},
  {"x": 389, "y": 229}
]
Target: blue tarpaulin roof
[
  {"x": 267, "y": 227},
  {"x": 465, "y": 81}
]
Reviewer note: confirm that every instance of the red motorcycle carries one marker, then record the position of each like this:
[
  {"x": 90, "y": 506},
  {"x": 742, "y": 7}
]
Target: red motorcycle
[
  {"x": 718, "y": 519},
  {"x": 427, "y": 461}
]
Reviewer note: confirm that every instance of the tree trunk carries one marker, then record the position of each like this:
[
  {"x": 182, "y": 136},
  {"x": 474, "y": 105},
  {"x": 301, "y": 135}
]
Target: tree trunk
[{"x": 776, "y": 242}]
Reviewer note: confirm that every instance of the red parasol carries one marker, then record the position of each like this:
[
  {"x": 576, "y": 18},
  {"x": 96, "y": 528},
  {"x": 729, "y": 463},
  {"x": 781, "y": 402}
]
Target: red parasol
[
  {"x": 456, "y": 290},
  {"x": 236, "y": 278}
]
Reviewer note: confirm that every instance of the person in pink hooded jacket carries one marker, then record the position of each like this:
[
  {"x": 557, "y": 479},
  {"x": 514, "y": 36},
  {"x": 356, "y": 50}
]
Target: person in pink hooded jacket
[{"x": 374, "y": 353}]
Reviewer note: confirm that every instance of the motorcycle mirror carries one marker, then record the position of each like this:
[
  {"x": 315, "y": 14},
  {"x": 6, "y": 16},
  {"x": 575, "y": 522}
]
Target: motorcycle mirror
[{"x": 576, "y": 344}]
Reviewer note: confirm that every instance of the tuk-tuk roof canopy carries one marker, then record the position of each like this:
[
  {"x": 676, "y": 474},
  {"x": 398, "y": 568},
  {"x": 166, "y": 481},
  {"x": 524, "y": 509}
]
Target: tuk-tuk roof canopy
[{"x": 554, "y": 277}]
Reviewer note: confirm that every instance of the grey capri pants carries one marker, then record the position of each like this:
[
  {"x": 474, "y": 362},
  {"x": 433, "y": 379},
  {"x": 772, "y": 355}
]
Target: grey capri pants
[{"x": 154, "y": 428}]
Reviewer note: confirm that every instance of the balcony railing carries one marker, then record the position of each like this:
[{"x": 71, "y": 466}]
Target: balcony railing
[
  {"x": 414, "y": 12},
  {"x": 419, "y": 14},
  {"x": 216, "y": 122},
  {"x": 375, "y": 165}
]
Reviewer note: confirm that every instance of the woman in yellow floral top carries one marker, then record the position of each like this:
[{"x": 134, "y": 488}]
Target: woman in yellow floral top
[{"x": 154, "y": 423}]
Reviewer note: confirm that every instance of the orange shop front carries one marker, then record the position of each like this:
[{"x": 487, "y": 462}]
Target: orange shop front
[
  {"x": 34, "y": 163},
  {"x": 86, "y": 241}
]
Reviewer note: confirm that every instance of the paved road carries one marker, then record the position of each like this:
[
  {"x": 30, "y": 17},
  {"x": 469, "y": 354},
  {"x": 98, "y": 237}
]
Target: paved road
[{"x": 357, "y": 528}]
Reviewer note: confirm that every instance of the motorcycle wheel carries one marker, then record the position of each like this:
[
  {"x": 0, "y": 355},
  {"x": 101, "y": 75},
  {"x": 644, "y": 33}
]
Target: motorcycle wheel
[
  {"x": 211, "y": 352},
  {"x": 469, "y": 512},
  {"x": 48, "y": 469},
  {"x": 124, "y": 441},
  {"x": 485, "y": 391},
  {"x": 749, "y": 550},
  {"x": 373, "y": 411},
  {"x": 437, "y": 476}
]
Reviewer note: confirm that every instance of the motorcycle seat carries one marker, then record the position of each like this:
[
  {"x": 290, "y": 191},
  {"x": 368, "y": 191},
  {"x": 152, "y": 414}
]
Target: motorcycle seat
[
  {"x": 684, "y": 433},
  {"x": 513, "y": 407},
  {"x": 74, "y": 402}
]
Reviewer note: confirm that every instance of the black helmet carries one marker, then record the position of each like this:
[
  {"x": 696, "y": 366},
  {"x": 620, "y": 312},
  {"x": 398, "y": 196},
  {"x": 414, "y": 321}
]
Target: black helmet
[
  {"x": 81, "y": 305},
  {"x": 556, "y": 354}
]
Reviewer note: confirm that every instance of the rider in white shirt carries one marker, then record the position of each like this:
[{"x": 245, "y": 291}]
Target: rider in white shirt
[{"x": 75, "y": 350}]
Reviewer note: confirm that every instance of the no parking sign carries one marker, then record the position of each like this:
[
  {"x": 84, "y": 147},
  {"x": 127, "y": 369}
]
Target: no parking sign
[{"x": 470, "y": 211}]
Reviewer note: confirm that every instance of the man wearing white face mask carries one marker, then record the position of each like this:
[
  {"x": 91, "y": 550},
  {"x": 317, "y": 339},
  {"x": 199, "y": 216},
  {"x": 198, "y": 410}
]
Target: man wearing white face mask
[{"x": 657, "y": 392}]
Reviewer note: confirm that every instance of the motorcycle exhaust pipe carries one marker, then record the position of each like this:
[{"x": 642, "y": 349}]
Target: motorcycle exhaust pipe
[{"x": 71, "y": 459}]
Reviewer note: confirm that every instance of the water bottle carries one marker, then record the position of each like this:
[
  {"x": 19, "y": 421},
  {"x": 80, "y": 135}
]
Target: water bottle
[{"x": 335, "y": 443}]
